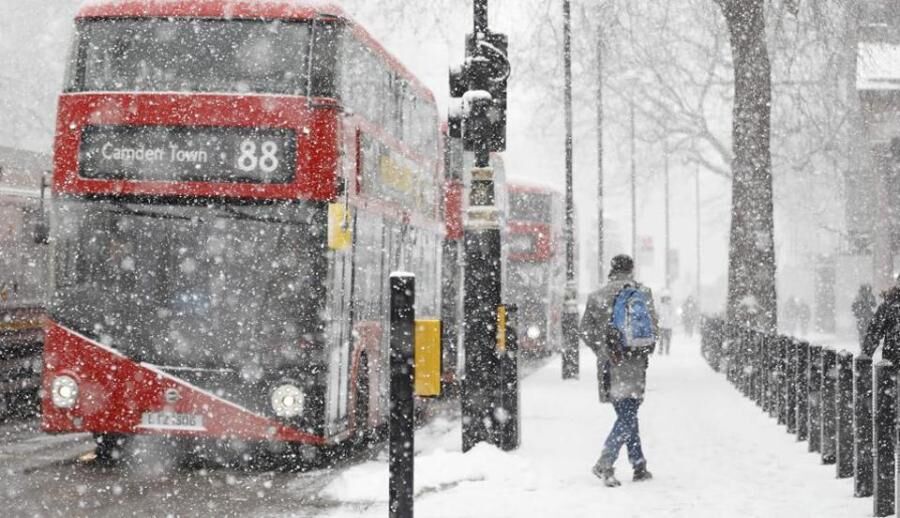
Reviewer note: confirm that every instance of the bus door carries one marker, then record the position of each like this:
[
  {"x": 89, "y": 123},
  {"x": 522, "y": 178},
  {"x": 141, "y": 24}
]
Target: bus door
[{"x": 342, "y": 247}]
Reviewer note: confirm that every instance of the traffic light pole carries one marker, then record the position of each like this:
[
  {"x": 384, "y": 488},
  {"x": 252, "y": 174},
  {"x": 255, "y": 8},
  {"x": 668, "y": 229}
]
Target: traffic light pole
[
  {"x": 483, "y": 79},
  {"x": 570, "y": 309},
  {"x": 481, "y": 384}
]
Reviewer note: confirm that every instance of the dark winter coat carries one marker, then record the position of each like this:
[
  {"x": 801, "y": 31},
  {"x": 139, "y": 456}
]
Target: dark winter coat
[
  {"x": 863, "y": 309},
  {"x": 627, "y": 376},
  {"x": 885, "y": 326}
]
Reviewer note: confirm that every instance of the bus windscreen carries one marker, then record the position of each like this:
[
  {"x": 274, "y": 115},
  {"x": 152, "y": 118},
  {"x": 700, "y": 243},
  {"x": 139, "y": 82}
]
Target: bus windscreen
[{"x": 190, "y": 55}]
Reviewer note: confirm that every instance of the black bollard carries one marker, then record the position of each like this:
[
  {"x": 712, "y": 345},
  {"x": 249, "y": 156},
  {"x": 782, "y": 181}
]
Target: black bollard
[
  {"x": 844, "y": 412},
  {"x": 814, "y": 388},
  {"x": 401, "y": 448},
  {"x": 827, "y": 406},
  {"x": 766, "y": 374},
  {"x": 883, "y": 437},
  {"x": 790, "y": 378},
  {"x": 781, "y": 380},
  {"x": 801, "y": 376},
  {"x": 862, "y": 427},
  {"x": 746, "y": 370},
  {"x": 774, "y": 384},
  {"x": 758, "y": 371},
  {"x": 734, "y": 335}
]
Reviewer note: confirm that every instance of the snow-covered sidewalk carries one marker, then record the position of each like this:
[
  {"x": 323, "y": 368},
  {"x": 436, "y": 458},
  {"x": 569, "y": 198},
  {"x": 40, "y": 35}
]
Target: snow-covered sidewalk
[{"x": 712, "y": 453}]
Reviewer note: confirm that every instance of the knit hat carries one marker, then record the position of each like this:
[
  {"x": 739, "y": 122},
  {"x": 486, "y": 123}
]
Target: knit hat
[{"x": 621, "y": 264}]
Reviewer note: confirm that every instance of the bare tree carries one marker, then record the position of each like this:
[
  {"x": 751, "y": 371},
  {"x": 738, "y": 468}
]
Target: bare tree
[{"x": 751, "y": 268}]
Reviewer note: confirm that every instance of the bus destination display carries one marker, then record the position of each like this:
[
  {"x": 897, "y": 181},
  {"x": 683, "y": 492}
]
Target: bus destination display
[{"x": 192, "y": 154}]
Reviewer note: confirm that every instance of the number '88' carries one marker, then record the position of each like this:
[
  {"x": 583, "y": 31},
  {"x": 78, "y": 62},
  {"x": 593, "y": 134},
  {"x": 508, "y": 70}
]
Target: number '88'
[{"x": 266, "y": 161}]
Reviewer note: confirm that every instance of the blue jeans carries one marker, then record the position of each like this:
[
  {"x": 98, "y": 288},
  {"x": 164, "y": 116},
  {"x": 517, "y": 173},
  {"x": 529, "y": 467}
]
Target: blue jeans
[{"x": 624, "y": 432}]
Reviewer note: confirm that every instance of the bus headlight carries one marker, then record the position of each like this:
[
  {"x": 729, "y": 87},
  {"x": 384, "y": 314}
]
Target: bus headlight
[
  {"x": 534, "y": 332},
  {"x": 64, "y": 391},
  {"x": 287, "y": 401}
]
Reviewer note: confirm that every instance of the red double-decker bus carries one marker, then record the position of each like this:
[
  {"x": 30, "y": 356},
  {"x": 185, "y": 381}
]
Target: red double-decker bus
[
  {"x": 536, "y": 272},
  {"x": 233, "y": 183}
]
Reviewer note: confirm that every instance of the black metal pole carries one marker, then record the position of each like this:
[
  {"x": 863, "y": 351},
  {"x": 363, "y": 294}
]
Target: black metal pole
[
  {"x": 814, "y": 389},
  {"x": 739, "y": 361},
  {"x": 759, "y": 371},
  {"x": 771, "y": 405},
  {"x": 402, "y": 436},
  {"x": 570, "y": 358},
  {"x": 790, "y": 378},
  {"x": 827, "y": 406},
  {"x": 699, "y": 256},
  {"x": 746, "y": 372},
  {"x": 600, "y": 209},
  {"x": 862, "y": 427},
  {"x": 482, "y": 277},
  {"x": 736, "y": 335},
  {"x": 633, "y": 179},
  {"x": 883, "y": 437},
  {"x": 481, "y": 17},
  {"x": 844, "y": 410},
  {"x": 750, "y": 369},
  {"x": 741, "y": 335},
  {"x": 481, "y": 299},
  {"x": 781, "y": 366},
  {"x": 801, "y": 376},
  {"x": 668, "y": 258}
]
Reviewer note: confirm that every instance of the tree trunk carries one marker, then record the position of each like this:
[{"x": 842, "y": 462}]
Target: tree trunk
[{"x": 751, "y": 263}]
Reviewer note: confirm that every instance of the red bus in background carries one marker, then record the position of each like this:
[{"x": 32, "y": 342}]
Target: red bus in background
[
  {"x": 24, "y": 179},
  {"x": 233, "y": 183},
  {"x": 536, "y": 276}
]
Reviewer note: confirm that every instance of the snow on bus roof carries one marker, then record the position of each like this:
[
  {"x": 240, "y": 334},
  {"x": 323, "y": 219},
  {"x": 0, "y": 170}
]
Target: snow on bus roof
[
  {"x": 878, "y": 66},
  {"x": 517, "y": 184},
  {"x": 321, "y": 6},
  {"x": 252, "y": 9}
]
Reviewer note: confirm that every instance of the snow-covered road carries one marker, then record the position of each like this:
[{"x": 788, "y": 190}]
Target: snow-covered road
[{"x": 712, "y": 452}]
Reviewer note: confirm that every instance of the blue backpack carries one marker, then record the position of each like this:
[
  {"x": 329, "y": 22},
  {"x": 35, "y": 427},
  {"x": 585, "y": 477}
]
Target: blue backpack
[{"x": 633, "y": 322}]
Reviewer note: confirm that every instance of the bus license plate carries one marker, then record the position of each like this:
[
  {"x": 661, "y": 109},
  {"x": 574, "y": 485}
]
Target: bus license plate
[{"x": 171, "y": 420}]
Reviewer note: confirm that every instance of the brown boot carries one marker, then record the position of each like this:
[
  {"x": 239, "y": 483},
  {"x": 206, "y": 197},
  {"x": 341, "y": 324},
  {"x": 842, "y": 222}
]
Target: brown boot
[
  {"x": 607, "y": 475},
  {"x": 641, "y": 473}
]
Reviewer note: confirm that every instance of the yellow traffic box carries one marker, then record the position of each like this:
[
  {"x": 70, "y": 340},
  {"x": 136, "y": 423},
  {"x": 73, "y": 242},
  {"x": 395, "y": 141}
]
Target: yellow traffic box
[
  {"x": 501, "y": 328},
  {"x": 340, "y": 235},
  {"x": 428, "y": 358}
]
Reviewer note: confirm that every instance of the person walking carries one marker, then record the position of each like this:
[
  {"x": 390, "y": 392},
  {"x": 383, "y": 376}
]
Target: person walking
[
  {"x": 789, "y": 316},
  {"x": 804, "y": 315},
  {"x": 885, "y": 325},
  {"x": 689, "y": 314},
  {"x": 666, "y": 322},
  {"x": 622, "y": 361},
  {"x": 864, "y": 309}
]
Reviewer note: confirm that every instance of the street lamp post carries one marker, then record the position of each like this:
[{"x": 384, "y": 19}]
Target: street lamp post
[
  {"x": 570, "y": 309},
  {"x": 600, "y": 208},
  {"x": 633, "y": 182},
  {"x": 482, "y": 84},
  {"x": 668, "y": 257},
  {"x": 699, "y": 246}
]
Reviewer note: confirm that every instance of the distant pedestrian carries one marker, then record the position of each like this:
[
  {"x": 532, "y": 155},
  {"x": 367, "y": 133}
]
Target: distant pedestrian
[
  {"x": 864, "y": 309},
  {"x": 884, "y": 326},
  {"x": 804, "y": 315},
  {"x": 789, "y": 316},
  {"x": 689, "y": 315},
  {"x": 622, "y": 360},
  {"x": 666, "y": 322}
]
